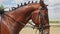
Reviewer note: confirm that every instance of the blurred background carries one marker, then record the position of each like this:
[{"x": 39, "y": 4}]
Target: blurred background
[{"x": 53, "y": 11}]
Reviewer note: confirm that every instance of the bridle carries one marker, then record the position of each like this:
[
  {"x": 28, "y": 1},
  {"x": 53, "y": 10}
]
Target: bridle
[{"x": 41, "y": 27}]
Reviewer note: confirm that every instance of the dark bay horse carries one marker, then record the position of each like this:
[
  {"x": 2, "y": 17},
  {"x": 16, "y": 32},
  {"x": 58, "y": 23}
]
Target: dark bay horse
[{"x": 13, "y": 21}]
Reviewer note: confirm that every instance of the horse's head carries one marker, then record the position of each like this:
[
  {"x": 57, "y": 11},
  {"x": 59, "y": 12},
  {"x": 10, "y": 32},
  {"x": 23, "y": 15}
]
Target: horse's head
[
  {"x": 41, "y": 12},
  {"x": 40, "y": 19},
  {"x": 19, "y": 17},
  {"x": 31, "y": 11}
]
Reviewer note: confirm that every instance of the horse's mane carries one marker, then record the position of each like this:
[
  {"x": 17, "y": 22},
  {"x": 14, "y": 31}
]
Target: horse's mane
[{"x": 21, "y": 5}]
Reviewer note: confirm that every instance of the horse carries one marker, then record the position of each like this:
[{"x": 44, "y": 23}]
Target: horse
[{"x": 13, "y": 21}]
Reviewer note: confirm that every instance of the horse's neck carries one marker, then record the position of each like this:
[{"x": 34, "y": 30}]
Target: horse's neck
[
  {"x": 21, "y": 13},
  {"x": 12, "y": 25}
]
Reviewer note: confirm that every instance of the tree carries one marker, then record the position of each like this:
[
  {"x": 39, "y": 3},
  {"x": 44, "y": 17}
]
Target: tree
[{"x": 1, "y": 7}]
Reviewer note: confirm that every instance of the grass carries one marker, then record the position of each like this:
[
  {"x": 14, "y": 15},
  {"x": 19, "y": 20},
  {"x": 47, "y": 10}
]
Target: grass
[
  {"x": 54, "y": 21},
  {"x": 50, "y": 21}
]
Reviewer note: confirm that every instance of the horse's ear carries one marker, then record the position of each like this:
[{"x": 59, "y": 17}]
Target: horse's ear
[
  {"x": 29, "y": 2},
  {"x": 35, "y": 1},
  {"x": 25, "y": 3}
]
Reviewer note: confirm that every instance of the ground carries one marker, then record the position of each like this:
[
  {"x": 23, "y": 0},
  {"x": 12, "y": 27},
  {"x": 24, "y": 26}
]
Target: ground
[{"x": 54, "y": 29}]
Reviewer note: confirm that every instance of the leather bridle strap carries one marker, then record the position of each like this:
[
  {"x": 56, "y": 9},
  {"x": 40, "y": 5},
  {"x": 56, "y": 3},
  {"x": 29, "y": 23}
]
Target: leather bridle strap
[
  {"x": 41, "y": 24},
  {"x": 41, "y": 17}
]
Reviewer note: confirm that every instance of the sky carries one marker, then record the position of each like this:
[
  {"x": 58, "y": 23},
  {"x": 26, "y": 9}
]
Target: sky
[{"x": 53, "y": 6}]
